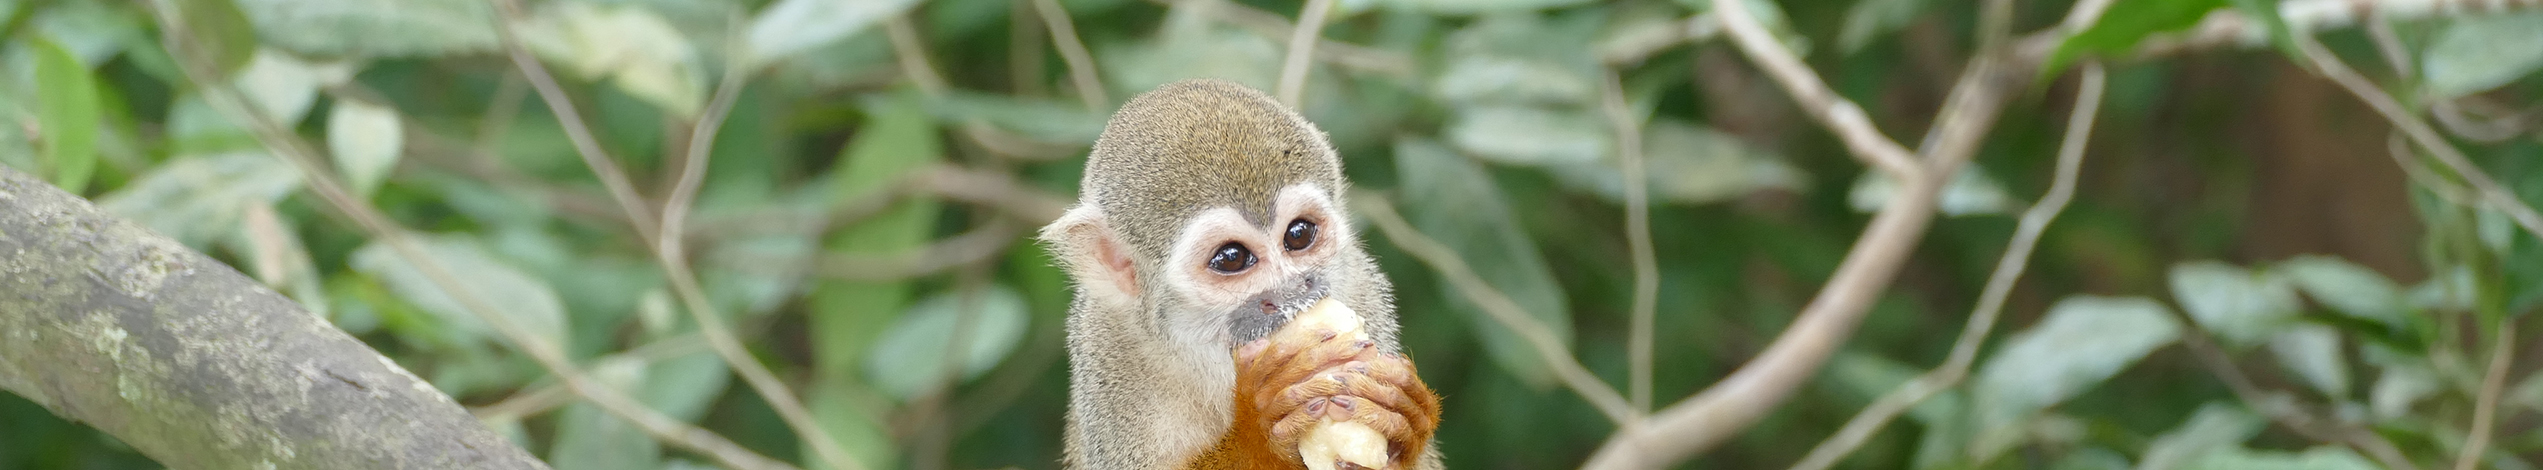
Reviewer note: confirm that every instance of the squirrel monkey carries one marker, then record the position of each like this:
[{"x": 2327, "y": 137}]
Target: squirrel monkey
[{"x": 1211, "y": 215}]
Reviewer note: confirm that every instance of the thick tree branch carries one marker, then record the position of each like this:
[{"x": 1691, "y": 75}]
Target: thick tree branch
[
  {"x": 2017, "y": 257},
  {"x": 199, "y": 366}
]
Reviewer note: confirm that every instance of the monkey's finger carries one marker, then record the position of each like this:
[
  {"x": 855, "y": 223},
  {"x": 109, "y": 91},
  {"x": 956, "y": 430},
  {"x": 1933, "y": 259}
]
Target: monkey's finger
[
  {"x": 1286, "y": 433},
  {"x": 1405, "y": 441},
  {"x": 1311, "y": 362},
  {"x": 1288, "y": 399}
]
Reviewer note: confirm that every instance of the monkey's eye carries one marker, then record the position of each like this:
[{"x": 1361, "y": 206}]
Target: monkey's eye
[
  {"x": 1302, "y": 234},
  {"x": 1231, "y": 258}
]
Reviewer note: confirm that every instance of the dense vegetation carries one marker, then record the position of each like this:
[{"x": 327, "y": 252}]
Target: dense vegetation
[{"x": 2257, "y": 270}]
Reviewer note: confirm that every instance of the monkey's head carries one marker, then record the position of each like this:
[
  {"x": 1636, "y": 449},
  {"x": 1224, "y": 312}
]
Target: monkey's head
[{"x": 1211, "y": 208}]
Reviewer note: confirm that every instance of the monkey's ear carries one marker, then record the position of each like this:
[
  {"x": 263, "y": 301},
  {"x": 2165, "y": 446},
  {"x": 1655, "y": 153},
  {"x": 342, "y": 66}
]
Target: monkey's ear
[{"x": 1093, "y": 255}]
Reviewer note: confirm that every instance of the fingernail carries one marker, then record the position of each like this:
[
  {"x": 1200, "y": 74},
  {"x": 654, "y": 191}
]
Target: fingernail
[
  {"x": 1316, "y": 405},
  {"x": 1364, "y": 344}
]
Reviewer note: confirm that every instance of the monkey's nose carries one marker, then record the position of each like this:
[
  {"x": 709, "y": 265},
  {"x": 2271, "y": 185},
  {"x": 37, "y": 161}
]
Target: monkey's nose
[{"x": 1270, "y": 308}]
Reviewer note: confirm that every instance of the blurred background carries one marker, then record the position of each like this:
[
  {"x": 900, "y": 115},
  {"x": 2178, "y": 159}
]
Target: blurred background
[{"x": 2242, "y": 248}]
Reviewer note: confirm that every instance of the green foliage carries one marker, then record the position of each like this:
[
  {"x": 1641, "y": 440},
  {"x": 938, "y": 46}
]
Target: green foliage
[{"x": 835, "y": 229}]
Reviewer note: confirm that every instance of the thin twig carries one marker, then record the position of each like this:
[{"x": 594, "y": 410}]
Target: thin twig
[
  {"x": 2017, "y": 258},
  {"x": 2419, "y": 131},
  {"x": 1081, "y": 65},
  {"x": 1840, "y": 115},
  {"x": 907, "y": 49},
  {"x": 1271, "y": 25},
  {"x": 1024, "y": 49},
  {"x": 544, "y": 398},
  {"x": 286, "y": 145},
  {"x": 2485, "y": 409},
  {"x": 2399, "y": 147},
  {"x": 577, "y": 131},
  {"x": 1646, "y": 301},
  {"x": 970, "y": 248},
  {"x": 1498, "y": 306},
  {"x": 1302, "y": 48},
  {"x": 1634, "y": 49},
  {"x": 666, "y": 239}
]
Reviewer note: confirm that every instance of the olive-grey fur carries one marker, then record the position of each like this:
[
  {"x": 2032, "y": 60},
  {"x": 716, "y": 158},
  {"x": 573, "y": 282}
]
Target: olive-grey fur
[{"x": 1137, "y": 399}]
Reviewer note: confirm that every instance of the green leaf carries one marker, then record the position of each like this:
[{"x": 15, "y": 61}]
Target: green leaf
[
  {"x": 528, "y": 302},
  {"x": 1970, "y": 192},
  {"x": 2120, "y": 29},
  {"x": 635, "y": 47},
  {"x": 2312, "y": 352},
  {"x": 1462, "y": 208},
  {"x": 896, "y": 141},
  {"x": 365, "y": 140},
  {"x": 2317, "y": 458},
  {"x": 2346, "y": 287},
  {"x": 92, "y": 31},
  {"x": 1472, "y": 7},
  {"x": 1872, "y": 18},
  {"x": 281, "y": 86},
  {"x": 2481, "y": 52},
  {"x": 2082, "y": 341},
  {"x": 374, "y": 28},
  {"x": 218, "y": 32},
  {"x": 1191, "y": 45},
  {"x": 911, "y": 359},
  {"x": 1530, "y": 135},
  {"x": 1687, "y": 163},
  {"x": 2241, "y": 306},
  {"x": 792, "y": 26},
  {"x": 279, "y": 259},
  {"x": 2275, "y": 26},
  {"x": 199, "y": 199},
  {"x": 1521, "y": 59},
  {"x": 1042, "y": 119},
  {"x": 68, "y": 112},
  {"x": 2216, "y": 425},
  {"x": 588, "y": 438},
  {"x": 2399, "y": 387}
]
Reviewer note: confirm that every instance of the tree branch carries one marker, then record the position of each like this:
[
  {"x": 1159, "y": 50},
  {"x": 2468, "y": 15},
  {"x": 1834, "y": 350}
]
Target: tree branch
[
  {"x": 1081, "y": 65},
  {"x": 1302, "y": 48},
  {"x": 1646, "y": 300},
  {"x": 2017, "y": 258},
  {"x": 1840, "y": 115},
  {"x": 2330, "y": 66},
  {"x": 196, "y": 365}
]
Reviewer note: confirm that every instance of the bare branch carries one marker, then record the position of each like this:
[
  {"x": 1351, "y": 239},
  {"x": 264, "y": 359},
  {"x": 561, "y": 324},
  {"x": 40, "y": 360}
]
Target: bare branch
[
  {"x": 912, "y": 54},
  {"x": 666, "y": 239},
  {"x": 1646, "y": 301},
  {"x": 2485, "y": 409},
  {"x": 576, "y": 130},
  {"x": 1302, "y": 47},
  {"x": 2017, "y": 258},
  {"x": 547, "y": 397},
  {"x": 1272, "y": 25},
  {"x": 2419, "y": 131},
  {"x": 970, "y": 248},
  {"x": 1840, "y": 115},
  {"x": 1081, "y": 65},
  {"x": 1499, "y": 306},
  {"x": 231, "y": 102}
]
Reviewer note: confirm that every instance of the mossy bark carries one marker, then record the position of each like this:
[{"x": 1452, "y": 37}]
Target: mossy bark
[{"x": 198, "y": 366}]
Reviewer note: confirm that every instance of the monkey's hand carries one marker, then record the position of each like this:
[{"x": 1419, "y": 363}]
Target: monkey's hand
[{"x": 1314, "y": 374}]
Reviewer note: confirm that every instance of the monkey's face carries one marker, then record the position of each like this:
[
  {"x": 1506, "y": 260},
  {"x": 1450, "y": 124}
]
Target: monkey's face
[{"x": 1236, "y": 278}]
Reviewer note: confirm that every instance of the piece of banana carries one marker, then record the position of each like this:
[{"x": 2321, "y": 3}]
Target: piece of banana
[{"x": 1331, "y": 445}]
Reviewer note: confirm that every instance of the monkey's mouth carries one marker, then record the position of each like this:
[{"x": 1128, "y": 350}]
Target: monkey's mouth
[{"x": 1267, "y": 311}]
